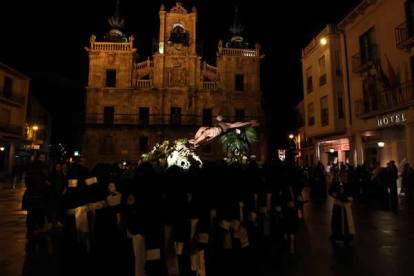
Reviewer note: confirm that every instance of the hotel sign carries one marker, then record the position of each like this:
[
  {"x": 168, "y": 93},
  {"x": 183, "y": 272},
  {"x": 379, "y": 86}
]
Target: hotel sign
[{"x": 394, "y": 119}]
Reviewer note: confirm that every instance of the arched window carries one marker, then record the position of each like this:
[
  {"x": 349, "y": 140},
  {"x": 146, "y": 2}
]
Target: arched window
[{"x": 179, "y": 35}]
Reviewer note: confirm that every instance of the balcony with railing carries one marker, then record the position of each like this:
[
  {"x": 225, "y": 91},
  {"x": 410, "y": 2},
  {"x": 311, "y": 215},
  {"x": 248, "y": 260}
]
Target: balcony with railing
[
  {"x": 404, "y": 34},
  {"x": 389, "y": 100},
  {"x": 209, "y": 85},
  {"x": 11, "y": 97},
  {"x": 240, "y": 52},
  {"x": 144, "y": 83},
  {"x": 11, "y": 129},
  {"x": 364, "y": 60},
  {"x": 112, "y": 46},
  {"x": 99, "y": 119}
]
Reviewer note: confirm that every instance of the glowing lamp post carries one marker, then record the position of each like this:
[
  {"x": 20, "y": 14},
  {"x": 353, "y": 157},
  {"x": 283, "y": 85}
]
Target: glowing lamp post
[
  {"x": 292, "y": 137},
  {"x": 381, "y": 145}
]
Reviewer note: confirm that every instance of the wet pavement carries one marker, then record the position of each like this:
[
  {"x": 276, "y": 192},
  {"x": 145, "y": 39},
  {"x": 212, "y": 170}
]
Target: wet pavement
[{"x": 383, "y": 244}]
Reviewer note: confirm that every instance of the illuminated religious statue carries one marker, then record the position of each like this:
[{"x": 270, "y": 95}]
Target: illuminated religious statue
[{"x": 206, "y": 134}]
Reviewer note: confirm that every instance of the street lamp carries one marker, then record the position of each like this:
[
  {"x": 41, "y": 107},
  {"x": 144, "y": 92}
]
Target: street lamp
[
  {"x": 381, "y": 145},
  {"x": 2, "y": 148},
  {"x": 332, "y": 150},
  {"x": 292, "y": 137},
  {"x": 34, "y": 132},
  {"x": 324, "y": 41}
]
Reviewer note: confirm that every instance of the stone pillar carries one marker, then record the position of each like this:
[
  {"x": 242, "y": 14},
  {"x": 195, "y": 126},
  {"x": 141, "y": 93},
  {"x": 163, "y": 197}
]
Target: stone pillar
[
  {"x": 10, "y": 161},
  {"x": 357, "y": 150},
  {"x": 409, "y": 144}
]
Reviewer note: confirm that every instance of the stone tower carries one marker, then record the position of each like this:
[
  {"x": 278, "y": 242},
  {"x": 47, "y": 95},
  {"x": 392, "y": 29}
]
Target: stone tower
[{"x": 131, "y": 106}]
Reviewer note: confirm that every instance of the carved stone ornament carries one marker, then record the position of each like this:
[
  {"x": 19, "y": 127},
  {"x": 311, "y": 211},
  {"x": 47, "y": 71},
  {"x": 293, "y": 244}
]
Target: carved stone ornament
[
  {"x": 111, "y": 58},
  {"x": 176, "y": 49},
  {"x": 177, "y": 76},
  {"x": 178, "y": 8},
  {"x": 92, "y": 39}
]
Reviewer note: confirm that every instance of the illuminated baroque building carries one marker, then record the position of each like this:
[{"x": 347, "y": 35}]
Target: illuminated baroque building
[
  {"x": 131, "y": 105},
  {"x": 358, "y": 86},
  {"x": 14, "y": 90}
]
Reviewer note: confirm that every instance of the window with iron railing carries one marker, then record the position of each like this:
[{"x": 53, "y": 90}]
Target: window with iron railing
[
  {"x": 309, "y": 80},
  {"x": 324, "y": 111},
  {"x": 341, "y": 114},
  {"x": 322, "y": 71},
  {"x": 311, "y": 115},
  {"x": 368, "y": 48},
  {"x": 338, "y": 63}
]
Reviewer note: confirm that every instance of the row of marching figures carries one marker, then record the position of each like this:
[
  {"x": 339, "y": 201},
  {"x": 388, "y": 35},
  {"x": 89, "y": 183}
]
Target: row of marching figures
[{"x": 217, "y": 220}]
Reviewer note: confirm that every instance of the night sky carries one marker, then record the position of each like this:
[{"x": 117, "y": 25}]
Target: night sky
[{"x": 45, "y": 40}]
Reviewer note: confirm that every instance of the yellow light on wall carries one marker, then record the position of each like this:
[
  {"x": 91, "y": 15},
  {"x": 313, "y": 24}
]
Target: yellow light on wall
[
  {"x": 381, "y": 144},
  {"x": 35, "y": 127},
  {"x": 324, "y": 41},
  {"x": 2, "y": 148},
  {"x": 291, "y": 136},
  {"x": 332, "y": 150}
]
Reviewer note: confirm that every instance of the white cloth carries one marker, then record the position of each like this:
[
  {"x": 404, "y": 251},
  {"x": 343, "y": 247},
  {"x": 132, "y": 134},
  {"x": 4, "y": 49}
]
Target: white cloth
[
  {"x": 171, "y": 258},
  {"x": 139, "y": 251}
]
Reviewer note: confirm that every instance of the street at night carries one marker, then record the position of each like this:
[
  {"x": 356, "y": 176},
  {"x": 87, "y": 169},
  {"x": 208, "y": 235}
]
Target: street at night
[
  {"x": 383, "y": 245},
  {"x": 207, "y": 138}
]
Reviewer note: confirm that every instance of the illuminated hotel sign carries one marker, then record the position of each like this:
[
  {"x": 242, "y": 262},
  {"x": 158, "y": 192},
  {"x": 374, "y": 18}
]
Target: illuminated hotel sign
[{"x": 394, "y": 119}]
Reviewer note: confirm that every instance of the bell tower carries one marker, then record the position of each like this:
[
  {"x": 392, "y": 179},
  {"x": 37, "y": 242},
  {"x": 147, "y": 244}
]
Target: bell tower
[
  {"x": 177, "y": 59},
  {"x": 178, "y": 30}
]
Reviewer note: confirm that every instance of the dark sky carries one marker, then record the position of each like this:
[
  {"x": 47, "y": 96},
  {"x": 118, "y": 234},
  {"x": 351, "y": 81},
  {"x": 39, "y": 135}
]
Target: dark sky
[{"x": 46, "y": 40}]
